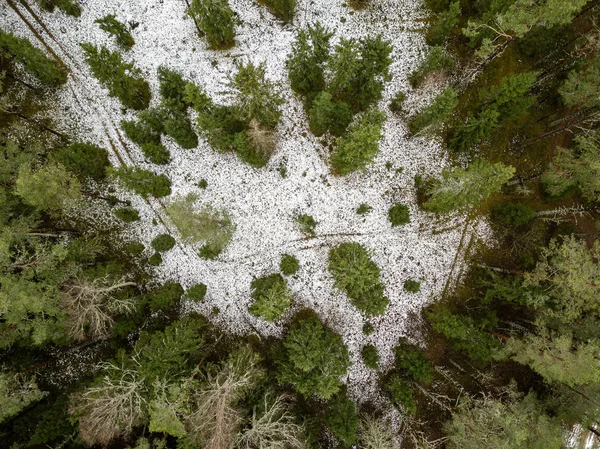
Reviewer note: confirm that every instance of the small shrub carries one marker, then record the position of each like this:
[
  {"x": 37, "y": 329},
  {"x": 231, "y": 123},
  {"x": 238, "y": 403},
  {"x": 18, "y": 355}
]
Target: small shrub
[
  {"x": 354, "y": 272},
  {"x": 135, "y": 248},
  {"x": 156, "y": 153},
  {"x": 359, "y": 4},
  {"x": 412, "y": 362},
  {"x": 370, "y": 356},
  {"x": 341, "y": 419},
  {"x": 397, "y": 103},
  {"x": 513, "y": 214},
  {"x": 209, "y": 252},
  {"x": 399, "y": 214},
  {"x": 216, "y": 19},
  {"x": 289, "y": 264},
  {"x": 364, "y": 209},
  {"x": 412, "y": 286},
  {"x": 117, "y": 29},
  {"x": 196, "y": 293},
  {"x": 84, "y": 159},
  {"x": 203, "y": 184},
  {"x": 271, "y": 297},
  {"x": 155, "y": 259},
  {"x": 282, "y": 9},
  {"x": 165, "y": 296},
  {"x": 368, "y": 329},
  {"x": 401, "y": 394},
  {"x": 163, "y": 242},
  {"x": 127, "y": 214},
  {"x": 307, "y": 224},
  {"x": 435, "y": 61}
]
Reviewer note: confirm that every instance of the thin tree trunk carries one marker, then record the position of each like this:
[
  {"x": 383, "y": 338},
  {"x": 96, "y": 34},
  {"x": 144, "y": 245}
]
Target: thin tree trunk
[
  {"x": 41, "y": 125},
  {"x": 520, "y": 180},
  {"x": 109, "y": 200},
  {"x": 562, "y": 211},
  {"x": 500, "y": 270}
]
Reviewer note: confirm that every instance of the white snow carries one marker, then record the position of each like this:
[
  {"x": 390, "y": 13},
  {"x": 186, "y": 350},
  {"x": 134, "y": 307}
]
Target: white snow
[{"x": 262, "y": 204}]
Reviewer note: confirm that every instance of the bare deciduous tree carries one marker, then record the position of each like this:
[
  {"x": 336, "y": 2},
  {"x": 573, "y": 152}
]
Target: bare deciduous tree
[
  {"x": 112, "y": 408},
  {"x": 274, "y": 429},
  {"x": 213, "y": 422},
  {"x": 375, "y": 433},
  {"x": 91, "y": 304}
]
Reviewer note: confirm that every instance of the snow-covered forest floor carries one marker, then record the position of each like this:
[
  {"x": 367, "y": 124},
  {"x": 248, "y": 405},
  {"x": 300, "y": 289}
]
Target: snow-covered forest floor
[{"x": 263, "y": 204}]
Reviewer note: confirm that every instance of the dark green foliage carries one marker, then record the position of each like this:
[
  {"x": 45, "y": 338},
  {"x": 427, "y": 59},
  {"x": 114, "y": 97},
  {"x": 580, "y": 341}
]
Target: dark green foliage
[
  {"x": 112, "y": 26},
  {"x": 135, "y": 248},
  {"x": 163, "y": 242},
  {"x": 142, "y": 182},
  {"x": 127, "y": 214},
  {"x": 397, "y": 103},
  {"x": 171, "y": 352},
  {"x": 256, "y": 98},
  {"x": 512, "y": 214},
  {"x": 282, "y": 9},
  {"x": 324, "y": 115},
  {"x": 435, "y": 61},
  {"x": 359, "y": 4},
  {"x": 156, "y": 152},
  {"x": 440, "y": 29},
  {"x": 475, "y": 130},
  {"x": 53, "y": 424},
  {"x": 363, "y": 209},
  {"x": 313, "y": 358},
  {"x": 368, "y": 329},
  {"x": 216, "y": 20},
  {"x": 354, "y": 272},
  {"x": 172, "y": 87},
  {"x": 359, "y": 71},
  {"x": 289, "y": 264},
  {"x": 165, "y": 296},
  {"x": 399, "y": 214},
  {"x": 178, "y": 127},
  {"x": 436, "y": 114},
  {"x": 209, "y": 252},
  {"x": 140, "y": 132},
  {"x": 271, "y": 297},
  {"x": 307, "y": 224},
  {"x": 34, "y": 60},
  {"x": 122, "y": 79},
  {"x": 306, "y": 64},
  {"x": 356, "y": 149},
  {"x": 341, "y": 419},
  {"x": 196, "y": 293},
  {"x": 84, "y": 159},
  {"x": 412, "y": 362},
  {"x": 412, "y": 286},
  {"x": 464, "y": 332},
  {"x": 370, "y": 356},
  {"x": 401, "y": 394},
  {"x": 203, "y": 184},
  {"x": 70, "y": 7},
  {"x": 155, "y": 259}
]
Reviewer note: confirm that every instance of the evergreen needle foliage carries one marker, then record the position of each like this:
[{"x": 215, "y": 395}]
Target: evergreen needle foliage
[
  {"x": 34, "y": 61},
  {"x": 142, "y": 182},
  {"x": 215, "y": 19},
  {"x": 358, "y": 148},
  {"x": 289, "y": 265},
  {"x": 122, "y": 79},
  {"x": 399, "y": 214},
  {"x": 163, "y": 242},
  {"x": 112, "y": 26},
  {"x": 340, "y": 417},
  {"x": 312, "y": 358},
  {"x": 271, "y": 297},
  {"x": 282, "y": 9},
  {"x": 354, "y": 272}
]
